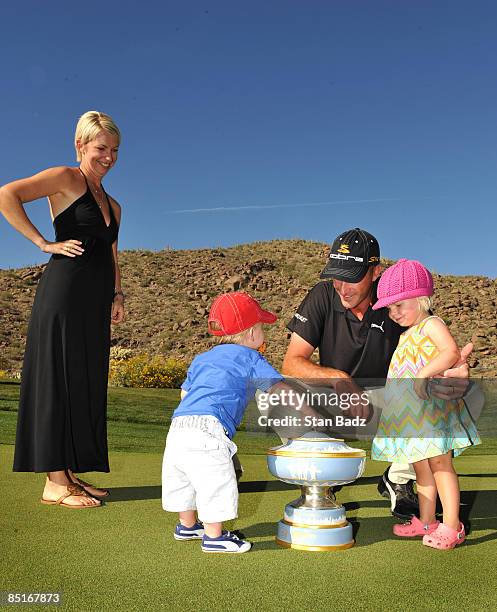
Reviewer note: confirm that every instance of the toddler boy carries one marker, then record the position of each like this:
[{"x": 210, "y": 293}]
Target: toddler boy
[{"x": 198, "y": 478}]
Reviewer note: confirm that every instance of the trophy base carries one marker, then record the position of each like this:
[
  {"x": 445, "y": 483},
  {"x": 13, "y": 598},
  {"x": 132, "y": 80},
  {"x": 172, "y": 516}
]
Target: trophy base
[
  {"x": 315, "y": 538},
  {"x": 314, "y": 529}
]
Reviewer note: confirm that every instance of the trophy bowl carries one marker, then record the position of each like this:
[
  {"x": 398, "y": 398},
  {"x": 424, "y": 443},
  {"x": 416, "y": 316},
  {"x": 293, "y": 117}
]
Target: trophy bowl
[{"x": 316, "y": 463}]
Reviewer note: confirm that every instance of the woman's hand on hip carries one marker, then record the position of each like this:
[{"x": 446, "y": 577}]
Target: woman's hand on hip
[{"x": 69, "y": 248}]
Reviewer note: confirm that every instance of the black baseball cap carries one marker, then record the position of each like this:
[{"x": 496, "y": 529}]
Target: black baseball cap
[{"x": 352, "y": 253}]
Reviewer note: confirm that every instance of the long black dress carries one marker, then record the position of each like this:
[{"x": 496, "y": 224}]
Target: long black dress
[{"x": 63, "y": 402}]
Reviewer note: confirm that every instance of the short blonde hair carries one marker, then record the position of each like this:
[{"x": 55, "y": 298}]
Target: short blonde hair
[
  {"x": 90, "y": 125},
  {"x": 424, "y": 303},
  {"x": 229, "y": 338}
]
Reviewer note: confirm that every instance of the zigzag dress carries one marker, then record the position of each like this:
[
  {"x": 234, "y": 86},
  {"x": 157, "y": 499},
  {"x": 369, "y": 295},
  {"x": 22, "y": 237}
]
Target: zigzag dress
[
  {"x": 63, "y": 403},
  {"x": 411, "y": 429}
]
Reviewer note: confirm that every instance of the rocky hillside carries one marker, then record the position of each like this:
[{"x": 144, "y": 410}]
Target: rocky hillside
[{"x": 169, "y": 293}]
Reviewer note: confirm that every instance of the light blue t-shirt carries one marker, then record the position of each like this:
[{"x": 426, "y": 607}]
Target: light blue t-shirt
[{"x": 222, "y": 381}]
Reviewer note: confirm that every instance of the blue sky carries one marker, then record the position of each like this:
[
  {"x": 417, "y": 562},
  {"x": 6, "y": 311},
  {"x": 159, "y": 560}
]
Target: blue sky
[{"x": 247, "y": 121}]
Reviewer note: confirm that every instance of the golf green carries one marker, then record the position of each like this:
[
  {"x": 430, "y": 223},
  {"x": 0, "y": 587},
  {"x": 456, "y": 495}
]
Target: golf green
[{"x": 123, "y": 556}]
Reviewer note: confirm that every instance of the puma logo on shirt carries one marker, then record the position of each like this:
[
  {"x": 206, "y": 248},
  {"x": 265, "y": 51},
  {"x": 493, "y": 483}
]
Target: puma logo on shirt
[{"x": 378, "y": 326}]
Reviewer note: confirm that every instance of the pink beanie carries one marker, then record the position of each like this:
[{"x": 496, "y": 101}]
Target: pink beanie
[{"x": 404, "y": 280}]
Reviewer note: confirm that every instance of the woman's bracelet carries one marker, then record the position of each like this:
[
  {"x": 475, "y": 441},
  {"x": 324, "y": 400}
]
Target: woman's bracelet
[{"x": 116, "y": 293}]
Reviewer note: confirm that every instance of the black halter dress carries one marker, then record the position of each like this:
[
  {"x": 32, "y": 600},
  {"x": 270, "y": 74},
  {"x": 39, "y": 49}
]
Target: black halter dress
[{"x": 63, "y": 403}]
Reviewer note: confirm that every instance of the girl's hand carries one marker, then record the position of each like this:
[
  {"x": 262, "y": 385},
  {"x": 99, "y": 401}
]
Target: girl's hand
[
  {"x": 420, "y": 387},
  {"x": 117, "y": 315},
  {"x": 69, "y": 248}
]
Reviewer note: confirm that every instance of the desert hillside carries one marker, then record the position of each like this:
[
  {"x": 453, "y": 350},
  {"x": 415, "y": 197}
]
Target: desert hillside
[{"x": 169, "y": 293}]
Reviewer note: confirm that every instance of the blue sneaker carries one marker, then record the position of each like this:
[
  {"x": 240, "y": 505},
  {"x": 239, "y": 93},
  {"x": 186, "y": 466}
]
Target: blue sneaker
[
  {"x": 189, "y": 533},
  {"x": 227, "y": 542}
]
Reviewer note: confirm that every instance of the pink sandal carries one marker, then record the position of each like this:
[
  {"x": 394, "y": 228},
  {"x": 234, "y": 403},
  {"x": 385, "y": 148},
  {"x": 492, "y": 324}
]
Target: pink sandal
[
  {"x": 414, "y": 528},
  {"x": 444, "y": 537}
]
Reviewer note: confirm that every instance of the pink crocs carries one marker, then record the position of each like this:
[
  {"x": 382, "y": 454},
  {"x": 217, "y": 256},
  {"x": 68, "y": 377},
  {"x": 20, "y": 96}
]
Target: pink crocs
[
  {"x": 414, "y": 528},
  {"x": 445, "y": 537}
]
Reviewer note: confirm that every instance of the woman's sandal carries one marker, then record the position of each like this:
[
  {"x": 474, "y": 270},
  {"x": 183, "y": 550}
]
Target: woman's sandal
[
  {"x": 414, "y": 528},
  {"x": 85, "y": 484},
  {"x": 73, "y": 490},
  {"x": 82, "y": 483},
  {"x": 444, "y": 537}
]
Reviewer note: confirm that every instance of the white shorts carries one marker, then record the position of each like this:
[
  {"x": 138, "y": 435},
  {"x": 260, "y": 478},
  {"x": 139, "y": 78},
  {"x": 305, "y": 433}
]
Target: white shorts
[{"x": 197, "y": 470}]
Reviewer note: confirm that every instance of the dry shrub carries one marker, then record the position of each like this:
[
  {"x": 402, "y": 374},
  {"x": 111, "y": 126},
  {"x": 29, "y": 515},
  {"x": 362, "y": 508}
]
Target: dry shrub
[
  {"x": 147, "y": 371},
  {"x": 120, "y": 353}
]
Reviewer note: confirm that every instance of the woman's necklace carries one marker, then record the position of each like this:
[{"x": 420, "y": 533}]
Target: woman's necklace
[{"x": 98, "y": 195}]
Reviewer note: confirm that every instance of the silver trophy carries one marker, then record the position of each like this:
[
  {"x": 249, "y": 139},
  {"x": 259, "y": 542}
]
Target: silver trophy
[{"x": 315, "y": 462}]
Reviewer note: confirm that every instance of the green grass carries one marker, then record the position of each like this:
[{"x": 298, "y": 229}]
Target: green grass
[
  {"x": 123, "y": 556},
  {"x": 138, "y": 420}
]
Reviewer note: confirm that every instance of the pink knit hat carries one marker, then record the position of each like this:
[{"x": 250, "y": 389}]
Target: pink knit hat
[{"x": 404, "y": 280}]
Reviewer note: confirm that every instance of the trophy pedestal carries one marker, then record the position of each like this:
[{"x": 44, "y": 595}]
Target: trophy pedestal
[
  {"x": 315, "y": 522},
  {"x": 316, "y": 463}
]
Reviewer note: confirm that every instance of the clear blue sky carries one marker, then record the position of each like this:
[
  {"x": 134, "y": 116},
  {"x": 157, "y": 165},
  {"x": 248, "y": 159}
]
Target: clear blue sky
[{"x": 282, "y": 119}]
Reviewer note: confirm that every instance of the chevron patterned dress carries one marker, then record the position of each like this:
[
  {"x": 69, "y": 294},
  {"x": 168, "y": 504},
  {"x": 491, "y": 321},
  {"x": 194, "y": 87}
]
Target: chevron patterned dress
[{"x": 411, "y": 429}]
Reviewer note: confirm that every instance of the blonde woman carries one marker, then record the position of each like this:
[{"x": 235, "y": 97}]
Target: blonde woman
[{"x": 61, "y": 427}]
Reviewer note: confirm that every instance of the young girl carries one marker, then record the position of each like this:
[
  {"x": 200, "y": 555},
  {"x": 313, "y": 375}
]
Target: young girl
[{"x": 414, "y": 427}]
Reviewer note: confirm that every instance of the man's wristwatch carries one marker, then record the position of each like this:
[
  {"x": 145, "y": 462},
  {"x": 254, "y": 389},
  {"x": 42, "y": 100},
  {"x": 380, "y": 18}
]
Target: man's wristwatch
[{"x": 118, "y": 293}]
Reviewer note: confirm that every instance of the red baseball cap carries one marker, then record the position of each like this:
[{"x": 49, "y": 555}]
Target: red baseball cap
[{"x": 236, "y": 312}]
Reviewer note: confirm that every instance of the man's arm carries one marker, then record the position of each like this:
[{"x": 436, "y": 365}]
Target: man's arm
[
  {"x": 297, "y": 362},
  {"x": 282, "y": 389},
  {"x": 455, "y": 381}
]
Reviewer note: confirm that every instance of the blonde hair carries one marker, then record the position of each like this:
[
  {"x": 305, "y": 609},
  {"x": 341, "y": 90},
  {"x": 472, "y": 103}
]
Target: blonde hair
[
  {"x": 424, "y": 303},
  {"x": 90, "y": 125},
  {"x": 229, "y": 338}
]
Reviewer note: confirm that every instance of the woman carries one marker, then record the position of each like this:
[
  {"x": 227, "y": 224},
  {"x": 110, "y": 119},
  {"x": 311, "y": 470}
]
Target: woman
[{"x": 61, "y": 426}]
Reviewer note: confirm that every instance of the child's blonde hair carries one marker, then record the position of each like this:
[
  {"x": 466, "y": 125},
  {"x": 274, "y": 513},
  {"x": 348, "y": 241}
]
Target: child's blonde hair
[
  {"x": 424, "y": 303},
  {"x": 229, "y": 338}
]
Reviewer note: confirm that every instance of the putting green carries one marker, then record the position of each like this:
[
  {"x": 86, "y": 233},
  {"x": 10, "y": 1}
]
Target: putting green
[{"x": 123, "y": 556}]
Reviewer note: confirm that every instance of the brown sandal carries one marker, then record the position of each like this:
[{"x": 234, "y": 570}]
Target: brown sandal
[
  {"x": 74, "y": 490},
  {"x": 85, "y": 484},
  {"x": 82, "y": 483}
]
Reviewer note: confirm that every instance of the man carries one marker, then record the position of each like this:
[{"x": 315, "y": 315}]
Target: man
[{"x": 355, "y": 342}]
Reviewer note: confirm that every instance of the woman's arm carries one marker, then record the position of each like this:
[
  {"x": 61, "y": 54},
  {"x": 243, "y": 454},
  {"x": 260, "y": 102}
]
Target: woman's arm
[
  {"x": 118, "y": 303},
  {"x": 14, "y": 195}
]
